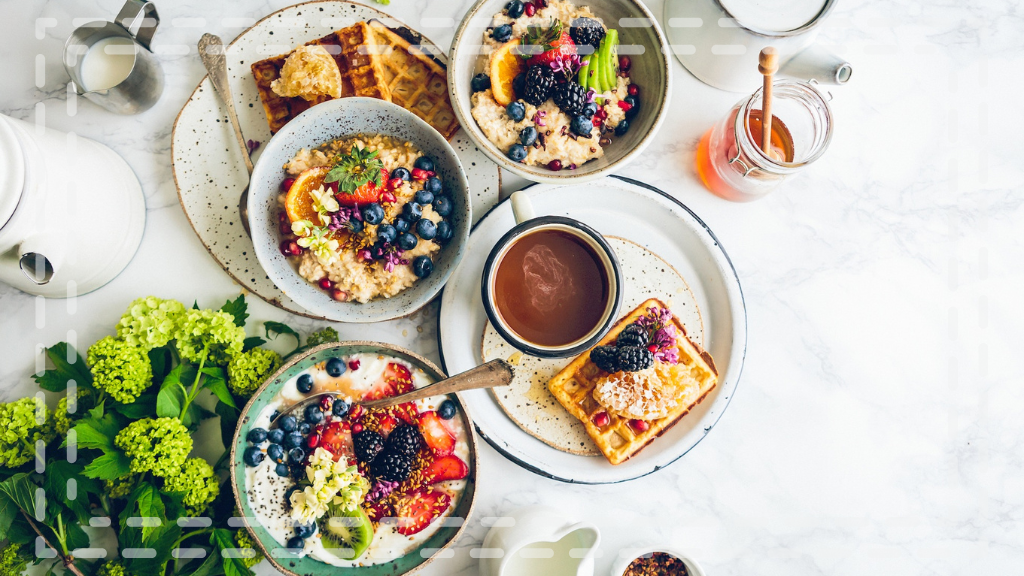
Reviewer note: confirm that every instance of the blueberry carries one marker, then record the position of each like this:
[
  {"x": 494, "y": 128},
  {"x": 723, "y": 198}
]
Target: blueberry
[
  {"x": 403, "y": 173},
  {"x": 305, "y": 530},
  {"x": 425, "y": 197},
  {"x": 298, "y": 471},
  {"x": 387, "y": 233},
  {"x": 426, "y": 229},
  {"x": 481, "y": 82},
  {"x": 256, "y": 435},
  {"x": 432, "y": 185},
  {"x": 282, "y": 470},
  {"x": 516, "y": 111},
  {"x": 304, "y": 383},
  {"x": 517, "y": 152},
  {"x": 288, "y": 493},
  {"x": 443, "y": 206},
  {"x": 424, "y": 163},
  {"x": 373, "y": 213},
  {"x": 252, "y": 456},
  {"x": 634, "y": 102},
  {"x": 444, "y": 232},
  {"x": 401, "y": 225},
  {"x": 519, "y": 83},
  {"x": 514, "y": 9},
  {"x": 407, "y": 241},
  {"x": 313, "y": 414},
  {"x": 304, "y": 428},
  {"x": 274, "y": 415},
  {"x": 288, "y": 423},
  {"x": 528, "y": 136},
  {"x": 293, "y": 440},
  {"x": 622, "y": 127},
  {"x": 581, "y": 126},
  {"x": 589, "y": 109},
  {"x": 446, "y": 410},
  {"x": 275, "y": 452},
  {"x": 356, "y": 226},
  {"x": 335, "y": 367},
  {"x": 276, "y": 436},
  {"x": 297, "y": 455},
  {"x": 422, "y": 266},
  {"x": 340, "y": 408},
  {"x": 502, "y": 33},
  {"x": 295, "y": 545},
  {"x": 412, "y": 211}
]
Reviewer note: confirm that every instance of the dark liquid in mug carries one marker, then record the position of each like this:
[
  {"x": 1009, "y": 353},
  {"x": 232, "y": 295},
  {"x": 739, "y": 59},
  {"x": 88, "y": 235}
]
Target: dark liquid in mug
[{"x": 551, "y": 288}]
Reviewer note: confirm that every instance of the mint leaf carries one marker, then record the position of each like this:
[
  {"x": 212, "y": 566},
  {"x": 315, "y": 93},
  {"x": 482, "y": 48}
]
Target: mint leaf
[
  {"x": 110, "y": 466},
  {"x": 56, "y": 379},
  {"x": 237, "y": 308}
]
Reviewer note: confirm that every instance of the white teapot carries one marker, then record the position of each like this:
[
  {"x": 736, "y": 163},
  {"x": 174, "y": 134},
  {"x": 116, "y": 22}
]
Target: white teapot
[
  {"x": 72, "y": 212},
  {"x": 539, "y": 540}
]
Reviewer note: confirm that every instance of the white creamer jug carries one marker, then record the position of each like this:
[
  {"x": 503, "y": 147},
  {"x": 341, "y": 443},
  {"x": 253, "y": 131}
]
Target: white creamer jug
[
  {"x": 538, "y": 540},
  {"x": 72, "y": 212}
]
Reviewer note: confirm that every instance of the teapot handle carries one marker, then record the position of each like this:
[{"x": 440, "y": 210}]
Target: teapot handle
[
  {"x": 142, "y": 13},
  {"x": 817, "y": 63}
]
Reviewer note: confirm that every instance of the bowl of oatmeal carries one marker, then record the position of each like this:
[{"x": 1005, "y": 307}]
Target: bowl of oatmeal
[
  {"x": 560, "y": 91},
  {"x": 359, "y": 210},
  {"x": 647, "y": 559}
]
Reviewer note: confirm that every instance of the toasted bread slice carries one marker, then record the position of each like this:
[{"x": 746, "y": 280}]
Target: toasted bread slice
[{"x": 573, "y": 387}]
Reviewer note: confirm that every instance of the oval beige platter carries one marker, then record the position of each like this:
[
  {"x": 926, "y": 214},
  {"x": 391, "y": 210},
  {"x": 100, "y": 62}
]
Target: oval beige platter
[
  {"x": 206, "y": 162},
  {"x": 527, "y": 400}
]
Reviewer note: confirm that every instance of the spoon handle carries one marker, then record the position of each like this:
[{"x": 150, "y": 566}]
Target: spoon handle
[
  {"x": 489, "y": 375},
  {"x": 211, "y": 50}
]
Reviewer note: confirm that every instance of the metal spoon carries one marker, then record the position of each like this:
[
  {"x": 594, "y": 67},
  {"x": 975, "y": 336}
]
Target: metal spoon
[
  {"x": 490, "y": 375},
  {"x": 216, "y": 66}
]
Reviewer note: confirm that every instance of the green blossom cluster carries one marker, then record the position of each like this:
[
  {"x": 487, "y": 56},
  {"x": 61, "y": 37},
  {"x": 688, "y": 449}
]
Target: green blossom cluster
[
  {"x": 120, "y": 369},
  {"x": 121, "y": 487},
  {"x": 249, "y": 369},
  {"x": 157, "y": 445},
  {"x": 209, "y": 330},
  {"x": 112, "y": 568},
  {"x": 22, "y": 423},
  {"x": 323, "y": 336},
  {"x": 244, "y": 541},
  {"x": 13, "y": 560},
  {"x": 197, "y": 481},
  {"x": 150, "y": 322}
]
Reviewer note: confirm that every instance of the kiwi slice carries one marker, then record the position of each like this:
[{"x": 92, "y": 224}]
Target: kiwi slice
[{"x": 346, "y": 534}]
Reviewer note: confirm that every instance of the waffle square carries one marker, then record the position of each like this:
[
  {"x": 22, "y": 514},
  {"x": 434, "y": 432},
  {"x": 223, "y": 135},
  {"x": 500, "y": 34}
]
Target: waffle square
[{"x": 573, "y": 387}]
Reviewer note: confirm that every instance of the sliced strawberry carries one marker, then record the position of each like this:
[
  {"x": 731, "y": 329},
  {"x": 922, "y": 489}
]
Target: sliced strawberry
[
  {"x": 387, "y": 424},
  {"x": 445, "y": 468},
  {"x": 417, "y": 509},
  {"x": 378, "y": 510},
  {"x": 435, "y": 434},
  {"x": 365, "y": 194},
  {"x": 553, "y": 42},
  {"x": 337, "y": 439},
  {"x": 407, "y": 412},
  {"x": 397, "y": 380}
]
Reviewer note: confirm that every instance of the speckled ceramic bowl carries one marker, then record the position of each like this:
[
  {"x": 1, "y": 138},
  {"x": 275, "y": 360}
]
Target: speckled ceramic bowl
[
  {"x": 332, "y": 120},
  {"x": 640, "y": 37},
  {"x": 293, "y": 565}
]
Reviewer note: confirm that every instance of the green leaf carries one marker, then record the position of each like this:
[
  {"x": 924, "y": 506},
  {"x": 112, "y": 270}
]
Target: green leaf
[
  {"x": 216, "y": 383},
  {"x": 223, "y": 539},
  {"x": 275, "y": 329},
  {"x": 211, "y": 566},
  {"x": 76, "y": 537},
  {"x": 56, "y": 379},
  {"x": 171, "y": 397},
  {"x": 195, "y": 305},
  {"x": 252, "y": 342},
  {"x": 161, "y": 360},
  {"x": 354, "y": 170},
  {"x": 20, "y": 532},
  {"x": 98, "y": 430},
  {"x": 237, "y": 308},
  {"x": 110, "y": 466},
  {"x": 161, "y": 539},
  {"x": 228, "y": 422},
  {"x": 55, "y": 483},
  {"x": 143, "y": 407},
  {"x": 195, "y": 415}
]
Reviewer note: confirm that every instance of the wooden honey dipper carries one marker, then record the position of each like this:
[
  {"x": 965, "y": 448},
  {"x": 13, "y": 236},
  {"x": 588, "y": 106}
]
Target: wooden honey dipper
[{"x": 767, "y": 65}]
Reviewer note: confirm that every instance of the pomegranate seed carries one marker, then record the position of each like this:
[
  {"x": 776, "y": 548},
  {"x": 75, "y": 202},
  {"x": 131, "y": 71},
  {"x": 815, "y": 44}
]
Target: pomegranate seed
[
  {"x": 555, "y": 165},
  {"x": 639, "y": 425},
  {"x": 285, "y": 228},
  {"x": 388, "y": 197},
  {"x": 652, "y": 348},
  {"x": 313, "y": 441},
  {"x": 541, "y": 3},
  {"x": 290, "y": 248},
  {"x": 326, "y": 402},
  {"x": 626, "y": 106},
  {"x": 282, "y": 216},
  {"x": 395, "y": 182},
  {"x": 625, "y": 63},
  {"x": 601, "y": 419},
  {"x": 357, "y": 428},
  {"x": 319, "y": 429},
  {"x": 326, "y": 283},
  {"x": 286, "y": 184},
  {"x": 419, "y": 174},
  {"x": 339, "y": 295},
  {"x": 530, "y": 9},
  {"x": 633, "y": 90},
  {"x": 353, "y": 364}
]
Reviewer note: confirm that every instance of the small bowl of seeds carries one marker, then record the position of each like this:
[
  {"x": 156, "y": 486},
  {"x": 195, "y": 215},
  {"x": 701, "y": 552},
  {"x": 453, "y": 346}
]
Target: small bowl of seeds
[{"x": 654, "y": 560}]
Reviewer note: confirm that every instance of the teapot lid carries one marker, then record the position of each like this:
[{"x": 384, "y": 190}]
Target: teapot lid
[{"x": 12, "y": 171}]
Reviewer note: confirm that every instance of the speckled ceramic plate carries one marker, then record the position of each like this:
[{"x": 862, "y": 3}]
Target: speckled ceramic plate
[
  {"x": 206, "y": 162},
  {"x": 294, "y": 566},
  {"x": 527, "y": 400},
  {"x": 621, "y": 207}
]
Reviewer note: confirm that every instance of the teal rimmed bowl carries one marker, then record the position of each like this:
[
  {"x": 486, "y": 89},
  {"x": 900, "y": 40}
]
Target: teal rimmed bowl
[{"x": 304, "y": 566}]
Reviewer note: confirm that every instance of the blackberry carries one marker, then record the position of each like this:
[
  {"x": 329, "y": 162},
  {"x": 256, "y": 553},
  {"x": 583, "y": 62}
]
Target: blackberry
[
  {"x": 633, "y": 335},
  {"x": 537, "y": 86},
  {"x": 571, "y": 98},
  {"x": 368, "y": 445},
  {"x": 606, "y": 358},
  {"x": 392, "y": 467},
  {"x": 634, "y": 358},
  {"x": 404, "y": 440},
  {"x": 586, "y": 31}
]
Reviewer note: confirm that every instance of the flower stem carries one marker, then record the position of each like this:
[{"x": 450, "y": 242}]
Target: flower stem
[
  {"x": 67, "y": 559},
  {"x": 199, "y": 376}
]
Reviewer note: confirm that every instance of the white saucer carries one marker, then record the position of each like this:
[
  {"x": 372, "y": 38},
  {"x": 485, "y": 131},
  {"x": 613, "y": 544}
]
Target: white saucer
[{"x": 643, "y": 214}]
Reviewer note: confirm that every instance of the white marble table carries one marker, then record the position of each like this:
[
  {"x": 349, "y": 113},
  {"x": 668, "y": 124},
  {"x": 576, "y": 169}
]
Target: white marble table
[{"x": 877, "y": 428}]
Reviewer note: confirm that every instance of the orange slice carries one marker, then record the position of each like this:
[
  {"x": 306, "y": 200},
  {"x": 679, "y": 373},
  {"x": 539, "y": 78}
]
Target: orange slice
[
  {"x": 505, "y": 66},
  {"x": 299, "y": 202}
]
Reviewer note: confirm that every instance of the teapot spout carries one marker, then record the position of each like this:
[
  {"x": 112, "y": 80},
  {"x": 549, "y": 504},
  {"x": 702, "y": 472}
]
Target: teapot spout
[
  {"x": 40, "y": 259},
  {"x": 817, "y": 63}
]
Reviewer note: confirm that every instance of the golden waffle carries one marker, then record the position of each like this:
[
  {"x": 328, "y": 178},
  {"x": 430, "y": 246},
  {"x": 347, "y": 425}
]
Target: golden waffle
[
  {"x": 416, "y": 81},
  {"x": 361, "y": 74},
  {"x": 573, "y": 387}
]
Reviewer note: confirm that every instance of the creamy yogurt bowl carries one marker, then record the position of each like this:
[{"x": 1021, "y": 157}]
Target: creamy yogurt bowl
[{"x": 280, "y": 506}]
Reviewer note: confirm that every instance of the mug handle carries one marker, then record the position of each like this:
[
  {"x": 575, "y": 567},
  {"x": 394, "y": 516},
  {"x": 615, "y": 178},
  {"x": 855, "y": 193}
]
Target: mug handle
[
  {"x": 142, "y": 13},
  {"x": 522, "y": 208}
]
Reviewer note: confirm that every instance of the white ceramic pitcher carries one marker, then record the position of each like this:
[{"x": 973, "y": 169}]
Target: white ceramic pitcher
[
  {"x": 539, "y": 540},
  {"x": 72, "y": 212}
]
